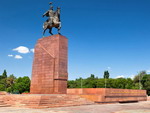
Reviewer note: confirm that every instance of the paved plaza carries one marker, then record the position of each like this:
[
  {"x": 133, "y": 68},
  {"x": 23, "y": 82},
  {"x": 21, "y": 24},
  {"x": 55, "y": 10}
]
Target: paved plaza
[{"x": 141, "y": 107}]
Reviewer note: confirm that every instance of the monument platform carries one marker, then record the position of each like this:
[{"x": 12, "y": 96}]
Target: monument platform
[
  {"x": 42, "y": 100},
  {"x": 74, "y": 97}
]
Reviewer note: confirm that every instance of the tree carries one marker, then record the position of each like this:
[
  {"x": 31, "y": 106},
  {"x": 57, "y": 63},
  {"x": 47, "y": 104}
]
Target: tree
[
  {"x": 3, "y": 78},
  {"x": 2, "y": 87},
  {"x": 129, "y": 83},
  {"x": 138, "y": 77},
  {"x": 110, "y": 83},
  {"x": 145, "y": 78},
  {"x": 119, "y": 83},
  {"x": 145, "y": 81},
  {"x": 10, "y": 81},
  {"x": 4, "y": 75},
  {"x": 106, "y": 74},
  {"x": 89, "y": 83},
  {"x": 2, "y": 84},
  {"x": 100, "y": 83},
  {"x": 72, "y": 84},
  {"x": 22, "y": 84},
  {"x": 92, "y": 77},
  {"x": 136, "y": 86}
]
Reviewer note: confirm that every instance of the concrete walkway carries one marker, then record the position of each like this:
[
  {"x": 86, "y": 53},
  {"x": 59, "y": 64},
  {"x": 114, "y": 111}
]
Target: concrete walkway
[{"x": 141, "y": 107}]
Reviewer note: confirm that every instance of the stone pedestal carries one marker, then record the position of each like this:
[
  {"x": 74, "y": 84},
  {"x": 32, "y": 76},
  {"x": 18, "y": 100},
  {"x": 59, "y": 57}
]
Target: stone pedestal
[{"x": 49, "y": 71}]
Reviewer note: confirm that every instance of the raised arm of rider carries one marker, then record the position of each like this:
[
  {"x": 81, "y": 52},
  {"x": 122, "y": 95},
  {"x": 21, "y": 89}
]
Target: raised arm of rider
[{"x": 45, "y": 13}]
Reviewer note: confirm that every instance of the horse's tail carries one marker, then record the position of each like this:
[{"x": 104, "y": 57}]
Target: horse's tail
[{"x": 45, "y": 25}]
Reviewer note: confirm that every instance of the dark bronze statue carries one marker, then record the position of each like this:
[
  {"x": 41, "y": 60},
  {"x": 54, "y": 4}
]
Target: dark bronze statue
[{"x": 53, "y": 20}]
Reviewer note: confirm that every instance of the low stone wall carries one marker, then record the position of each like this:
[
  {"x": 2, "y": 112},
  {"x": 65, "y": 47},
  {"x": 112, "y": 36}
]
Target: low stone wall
[
  {"x": 84, "y": 91},
  {"x": 106, "y": 95},
  {"x": 148, "y": 98}
]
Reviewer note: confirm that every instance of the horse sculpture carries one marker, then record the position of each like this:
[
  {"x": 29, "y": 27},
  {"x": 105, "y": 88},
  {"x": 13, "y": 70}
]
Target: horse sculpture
[{"x": 53, "y": 22}]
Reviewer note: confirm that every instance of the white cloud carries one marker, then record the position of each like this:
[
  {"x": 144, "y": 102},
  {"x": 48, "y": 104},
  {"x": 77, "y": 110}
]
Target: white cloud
[
  {"x": 120, "y": 76},
  {"x": 10, "y": 55},
  {"x": 22, "y": 49},
  {"x": 18, "y": 57},
  {"x": 32, "y": 50}
]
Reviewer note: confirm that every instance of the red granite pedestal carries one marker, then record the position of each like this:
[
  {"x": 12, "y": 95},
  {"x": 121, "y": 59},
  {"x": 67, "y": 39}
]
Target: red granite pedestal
[{"x": 49, "y": 71}]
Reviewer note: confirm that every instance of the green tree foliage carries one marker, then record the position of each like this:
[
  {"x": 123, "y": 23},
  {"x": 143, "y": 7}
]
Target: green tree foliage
[
  {"x": 72, "y": 84},
  {"x": 100, "y": 83},
  {"x": 12, "y": 84},
  {"x": 92, "y": 82},
  {"x": 2, "y": 87},
  {"x": 139, "y": 76},
  {"x": 129, "y": 84},
  {"x": 87, "y": 83},
  {"x": 139, "y": 80},
  {"x": 22, "y": 84},
  {"x": 92, "y": 77},
  {"x": 3, "y": 83},
  {"x": 145, "y": 81},
  {"x": 10, "y": 81},
  {"x": 106, "y": 74},
  {"x": 4, "y": 75}
]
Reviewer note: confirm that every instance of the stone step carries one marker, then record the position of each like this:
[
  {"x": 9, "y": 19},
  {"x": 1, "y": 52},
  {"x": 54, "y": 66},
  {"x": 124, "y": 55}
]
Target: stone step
[
  {"x": 47, "y": 105},
  {"x": 59, "y": 103},
  {"x": 4, "y": 105},
  {"x": 45, "y": 101},
  {"x": 53, "y": 106}
]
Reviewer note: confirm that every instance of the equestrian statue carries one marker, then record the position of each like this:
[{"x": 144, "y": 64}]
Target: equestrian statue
[{"x": 53, "y": 20}]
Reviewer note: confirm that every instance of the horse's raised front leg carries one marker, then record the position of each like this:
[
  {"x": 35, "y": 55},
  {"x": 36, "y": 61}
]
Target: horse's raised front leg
[
  {"x": 60, "y": 24},
  {"x": 44, "y": 32},
  {"x": 50, "y": 31},
  {"x": 59, "y": 28}
]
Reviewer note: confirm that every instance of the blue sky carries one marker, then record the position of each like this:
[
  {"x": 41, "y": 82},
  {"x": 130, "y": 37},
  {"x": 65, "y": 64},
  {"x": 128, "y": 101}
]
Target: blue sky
[{"x": 103, "y": 34}]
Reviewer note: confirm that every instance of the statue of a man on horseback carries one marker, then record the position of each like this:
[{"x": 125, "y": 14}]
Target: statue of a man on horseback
[{"x": 53, "y": 20}]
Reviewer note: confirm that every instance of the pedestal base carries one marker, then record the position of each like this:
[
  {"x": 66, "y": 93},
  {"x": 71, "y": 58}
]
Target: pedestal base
[{"x": 49, "y": 71}]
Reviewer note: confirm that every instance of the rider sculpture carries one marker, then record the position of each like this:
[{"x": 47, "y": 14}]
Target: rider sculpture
[{"x": 53, "y": 20}]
